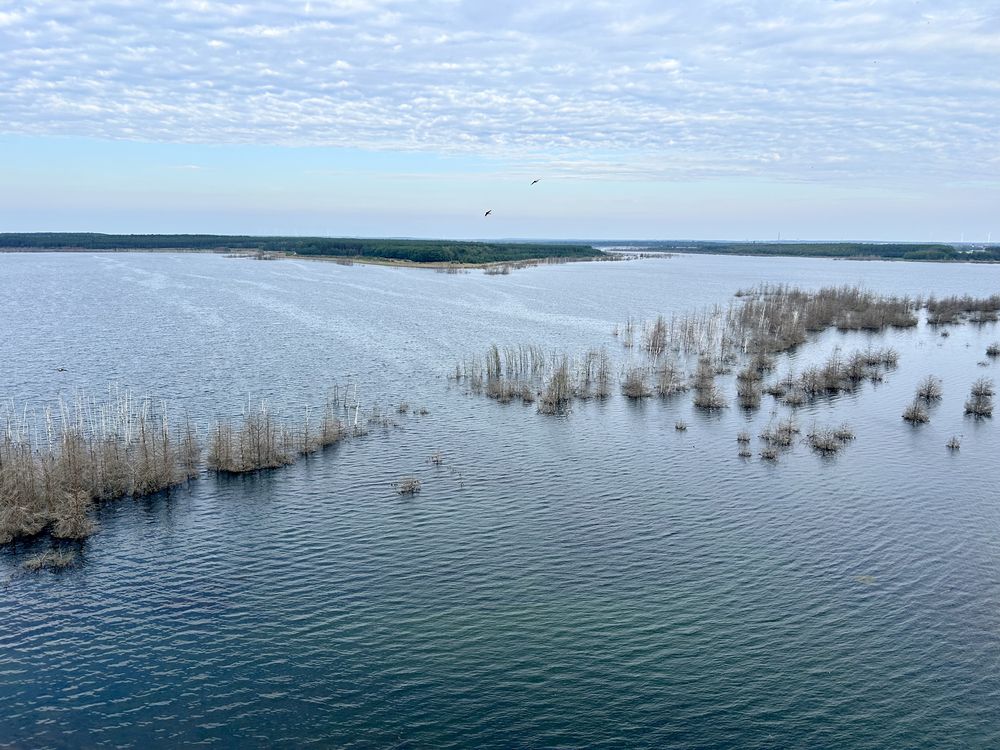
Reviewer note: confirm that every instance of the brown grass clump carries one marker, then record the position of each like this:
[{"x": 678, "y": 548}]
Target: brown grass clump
[
  {"x": 954, "y": 443},
  {"x": 769, "y": 454},
  {"x": 780, "y": 435},
  {"x": 72, "y": 519},
  {"x": 49, "y": 560},
  {"x": 743, "y": 437},
  {"x": 680, "y": 426},
  {"x": 407, "y": 486},
  {"x": 829, "y": 440}
]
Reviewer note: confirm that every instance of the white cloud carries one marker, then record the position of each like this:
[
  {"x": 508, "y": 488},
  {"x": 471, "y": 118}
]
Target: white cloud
[{"x": 861, "y": 90}]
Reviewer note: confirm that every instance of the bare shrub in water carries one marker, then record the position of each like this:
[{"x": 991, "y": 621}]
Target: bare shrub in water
[
  {"x": 929, "y": 389},
  {"x": 980, "y": 401},
  {"x": 916, "y": 412},
  {"x": 829, "y": 440}
]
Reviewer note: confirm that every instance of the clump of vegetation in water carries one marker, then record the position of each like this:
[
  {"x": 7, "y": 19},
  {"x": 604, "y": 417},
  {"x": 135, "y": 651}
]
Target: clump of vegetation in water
[
  {"x": 635, "y": 384},
  {"x": 837, "y": 375},
  {"x": 929, "y": 389},
  {"x": 779, "y": 318},
  {"x": 670, "y": 380},
  {"x": 955, "y": 309},
  {"x": 829, "y": 440},
  {"x": 260, "y": 441},
  {"x": 407, "y": 486},
  {"x": 980, "y": 401},
  {"x": 706, "y": 395},
  {"x": 916, "y": 412},
  {"x": 50, "y": 560},
  {"x": 680, "y": 426},
  {"x": 780, "y": 435},
  {"x": 954, "y": 443},
  {"x": 743, "y": 437},
  {"x": 558, "y": 393},
  {"x": 90, "y": 451},
  {"x": 993, "y": 350}
]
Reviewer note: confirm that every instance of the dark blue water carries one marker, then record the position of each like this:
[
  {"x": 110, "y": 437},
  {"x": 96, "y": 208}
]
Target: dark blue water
[{"x": 598, "y": 580}]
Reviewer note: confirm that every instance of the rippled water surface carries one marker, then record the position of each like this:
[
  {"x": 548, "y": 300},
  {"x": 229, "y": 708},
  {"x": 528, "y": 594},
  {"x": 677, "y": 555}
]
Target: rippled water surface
[{"x": 594, "y": 580}]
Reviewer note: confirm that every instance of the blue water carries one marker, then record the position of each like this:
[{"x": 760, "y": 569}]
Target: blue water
[{"x": 594, "y": 580}]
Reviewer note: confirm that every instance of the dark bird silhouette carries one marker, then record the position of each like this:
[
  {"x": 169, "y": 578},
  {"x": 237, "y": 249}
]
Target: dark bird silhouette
[
  {"x": 488, "y": 212},
  {"x": 534, "y": 181}
]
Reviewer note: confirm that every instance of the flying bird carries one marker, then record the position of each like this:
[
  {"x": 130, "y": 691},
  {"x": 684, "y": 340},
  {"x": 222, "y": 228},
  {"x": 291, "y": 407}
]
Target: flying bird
[
  {"x": 534, "y": 181},
  {"x": 488, "y": 212}
]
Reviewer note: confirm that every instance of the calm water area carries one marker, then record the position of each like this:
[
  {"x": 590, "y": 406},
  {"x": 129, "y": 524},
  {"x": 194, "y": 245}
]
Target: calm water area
[{"x": 594, "y": 580}]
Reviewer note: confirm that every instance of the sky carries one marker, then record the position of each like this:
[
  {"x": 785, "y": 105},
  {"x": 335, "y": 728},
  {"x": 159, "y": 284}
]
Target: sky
[{"x": 719, "y": 119}]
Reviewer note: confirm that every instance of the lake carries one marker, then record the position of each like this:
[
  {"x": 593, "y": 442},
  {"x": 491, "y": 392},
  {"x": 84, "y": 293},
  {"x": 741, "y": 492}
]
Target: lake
[{"x": 599, "y": 579}]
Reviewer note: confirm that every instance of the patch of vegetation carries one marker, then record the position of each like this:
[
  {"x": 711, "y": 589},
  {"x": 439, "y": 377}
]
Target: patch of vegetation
[{"x": 414, "y": 251}]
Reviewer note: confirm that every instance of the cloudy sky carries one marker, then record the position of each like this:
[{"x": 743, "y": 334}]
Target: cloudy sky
[{"x": 875, "y": 119}]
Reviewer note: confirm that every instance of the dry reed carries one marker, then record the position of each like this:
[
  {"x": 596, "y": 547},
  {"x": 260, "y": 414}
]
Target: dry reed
[{"x": 50, "y": 560}]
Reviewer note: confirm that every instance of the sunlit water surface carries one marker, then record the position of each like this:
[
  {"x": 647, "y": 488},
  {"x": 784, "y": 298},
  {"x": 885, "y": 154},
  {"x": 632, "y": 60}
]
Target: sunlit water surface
[{"x": 596, "y": 580}]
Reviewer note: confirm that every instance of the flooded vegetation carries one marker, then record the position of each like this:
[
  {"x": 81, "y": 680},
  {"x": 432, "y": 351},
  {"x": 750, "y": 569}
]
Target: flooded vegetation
[
  {"x": 564, "y": 476},
  {"x": 88, "y": 451},
  {"x": 55, "y": 466}
]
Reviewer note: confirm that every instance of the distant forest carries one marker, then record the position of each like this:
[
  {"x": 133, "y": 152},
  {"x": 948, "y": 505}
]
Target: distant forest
[
  {"x": 889, "y": 250},
  {"x": 417, "y": 251},
  {"x": 449, "y": 251}
]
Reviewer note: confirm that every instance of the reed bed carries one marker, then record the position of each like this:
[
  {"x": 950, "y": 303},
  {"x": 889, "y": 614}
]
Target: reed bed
[
  {"x": 56, "y": 467},
  {"x": 87, "y": 451},
  {"x": 259, "y": 441},
  {"x": 776, "y": 318},
  {"x": 526, "y": 373}
]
